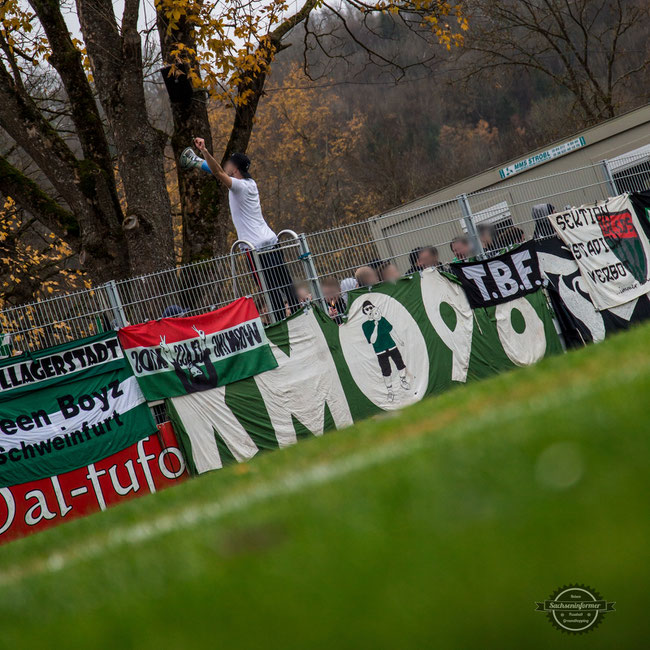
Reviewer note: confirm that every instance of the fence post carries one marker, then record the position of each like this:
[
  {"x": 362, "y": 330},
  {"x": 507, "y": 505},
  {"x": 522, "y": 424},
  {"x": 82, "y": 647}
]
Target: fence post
[
  {"x": 262, "y": 280},
  {"x": 472, "y": 233},
  {"x": 609, "y": 179},
  {"x": 116, "y": 303},
  {"x": 310, "y": 270}
]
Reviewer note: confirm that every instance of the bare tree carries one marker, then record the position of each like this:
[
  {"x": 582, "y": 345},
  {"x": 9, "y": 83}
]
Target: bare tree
[{"x": 589, "y": 47}]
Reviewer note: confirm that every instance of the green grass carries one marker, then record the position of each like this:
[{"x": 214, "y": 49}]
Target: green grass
[{"x": 438, "y": 527}]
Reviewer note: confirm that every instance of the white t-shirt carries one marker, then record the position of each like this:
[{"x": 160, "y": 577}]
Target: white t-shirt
[{"x": 246, "y": 213}]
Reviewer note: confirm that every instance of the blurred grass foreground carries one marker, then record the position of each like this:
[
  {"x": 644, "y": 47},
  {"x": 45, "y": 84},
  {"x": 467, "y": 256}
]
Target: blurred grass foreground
[{"x": 438, "y": 527}]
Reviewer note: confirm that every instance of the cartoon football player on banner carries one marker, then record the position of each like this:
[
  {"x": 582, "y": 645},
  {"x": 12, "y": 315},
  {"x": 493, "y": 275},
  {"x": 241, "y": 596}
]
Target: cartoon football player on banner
[{"x": 379, "y": 333}]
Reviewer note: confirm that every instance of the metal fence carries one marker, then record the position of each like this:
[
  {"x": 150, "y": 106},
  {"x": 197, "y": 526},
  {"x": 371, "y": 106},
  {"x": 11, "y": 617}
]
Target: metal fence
[{"x": 304, "y": 267}]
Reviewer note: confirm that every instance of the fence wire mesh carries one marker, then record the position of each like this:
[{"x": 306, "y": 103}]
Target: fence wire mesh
[
  {"x": 59, "y": 319},
  {"x": 272, "y": 277},
  {"x": 313, "y": 266}
]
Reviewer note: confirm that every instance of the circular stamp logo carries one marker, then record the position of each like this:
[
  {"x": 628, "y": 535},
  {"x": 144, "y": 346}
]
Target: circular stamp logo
[{"x": 575, "y": 609}]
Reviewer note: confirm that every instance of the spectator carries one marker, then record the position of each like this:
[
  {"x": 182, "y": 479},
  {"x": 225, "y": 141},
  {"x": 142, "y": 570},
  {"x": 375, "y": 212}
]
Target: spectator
[
  {"x": 172, "y": 311},
  {"x": 347, "y": 284},
  {"x": 518, "y": 235},
  {"x": 509, "y": 237},
  {"x": 413, "y": 259},
  {"x": 486, "y": 237},
  {"x": 366, "y": 276},
  {"x": 251, "y": 227},
  {"x": 303, "y": 293},
  {"x": 264, "y": 315},
  {"x": 543, "y": 227},
  {"x": 388, "y": 272},
  {"x": 332, "y": 295},
  {"x": 428, "y": 257},
  {"x": 461, "y": 248}
]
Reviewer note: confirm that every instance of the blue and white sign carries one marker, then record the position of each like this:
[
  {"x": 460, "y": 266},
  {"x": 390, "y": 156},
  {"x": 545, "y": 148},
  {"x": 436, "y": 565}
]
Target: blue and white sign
[{"x": 545, "y": 156}]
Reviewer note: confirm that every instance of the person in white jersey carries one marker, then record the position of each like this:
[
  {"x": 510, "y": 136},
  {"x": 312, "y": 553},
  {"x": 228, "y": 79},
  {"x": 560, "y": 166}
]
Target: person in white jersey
[{"x": 251, "y": 227}]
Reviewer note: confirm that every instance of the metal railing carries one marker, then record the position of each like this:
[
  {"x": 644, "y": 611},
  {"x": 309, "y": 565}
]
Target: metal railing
[{"x": 305, "y": 267}]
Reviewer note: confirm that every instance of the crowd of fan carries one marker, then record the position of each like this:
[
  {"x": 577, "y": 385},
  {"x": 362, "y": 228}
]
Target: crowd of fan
[{"x": 492, "y": 242}]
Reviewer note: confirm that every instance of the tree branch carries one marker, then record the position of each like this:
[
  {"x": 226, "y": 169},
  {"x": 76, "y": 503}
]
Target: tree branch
[
  {"x": 20, "y": 117},
  {"x": 66, "y": 59}
]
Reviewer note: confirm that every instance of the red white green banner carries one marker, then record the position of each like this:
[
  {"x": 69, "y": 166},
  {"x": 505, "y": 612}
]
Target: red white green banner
[
  {"x": 177, "y": 356},
  {"x": 610, "y": 247},
  {"x": 67, "y": 406}
]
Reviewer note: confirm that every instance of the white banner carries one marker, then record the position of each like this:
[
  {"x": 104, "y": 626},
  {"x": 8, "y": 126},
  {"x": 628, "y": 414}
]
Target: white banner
[{"x": 610, "y": 247}]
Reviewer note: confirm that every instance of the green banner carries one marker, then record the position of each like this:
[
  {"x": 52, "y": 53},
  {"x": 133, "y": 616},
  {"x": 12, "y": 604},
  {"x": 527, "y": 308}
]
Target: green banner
[
  {"x": 400, "y": 342},
  {"x": 66, "y": 407}
]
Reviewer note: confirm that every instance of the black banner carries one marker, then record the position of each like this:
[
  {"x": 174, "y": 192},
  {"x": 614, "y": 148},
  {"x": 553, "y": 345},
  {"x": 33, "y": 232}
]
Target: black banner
[
  {"x": 579, "y": 320},
  {"x": 500, "y": 279}
]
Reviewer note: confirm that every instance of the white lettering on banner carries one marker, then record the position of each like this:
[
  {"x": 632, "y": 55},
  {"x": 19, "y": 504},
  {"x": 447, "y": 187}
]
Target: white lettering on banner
[
  {"x": 209, "y": 414},
  {"x": 75, "y": 412},
  {"x": 527, "y": 347},
  {"x": 123, "y": 490},
  {"x": 476, "y": 274},
  {"x": 523, "y": 269},
  {"x": 143, "y": 461},
  {"x": 64, "y": 508},
  {"x": 164, "y": 470},
  {"x": 502, "y": 274},
  {"x": 437, "y": 291},
  {"x": 93, "y": 476},
  {"x": 41, "y": 506},
  {"x": 303, "y": 383},
  {"x": 506, "y": 285}
]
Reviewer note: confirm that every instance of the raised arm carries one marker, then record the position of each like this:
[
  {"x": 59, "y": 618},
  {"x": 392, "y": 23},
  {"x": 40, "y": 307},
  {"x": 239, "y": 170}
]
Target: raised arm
[{"x": 215, "y": 167}]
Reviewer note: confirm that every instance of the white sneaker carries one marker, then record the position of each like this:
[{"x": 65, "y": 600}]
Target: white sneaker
[
  {"x": 189, "y": 160},
  {"x": 404, "y": 382}
]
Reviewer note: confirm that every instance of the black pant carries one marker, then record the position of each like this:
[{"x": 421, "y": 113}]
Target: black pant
[
  {"x": 279, "y": 284},
  {"x": 384, "y": 361}
]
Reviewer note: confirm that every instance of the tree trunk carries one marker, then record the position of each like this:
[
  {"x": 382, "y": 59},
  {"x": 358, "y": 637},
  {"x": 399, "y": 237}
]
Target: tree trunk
[
  {"x": 204, "y": 201},
  {"x": 117, "y": 66},
  {"x": 100, "y": 251}
]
